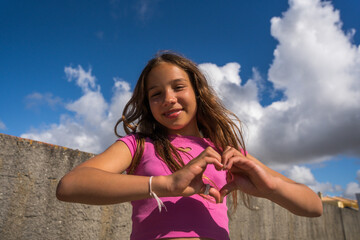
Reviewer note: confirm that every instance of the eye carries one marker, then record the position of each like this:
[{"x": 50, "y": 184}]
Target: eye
[
  {"x": 155, "y": 94},
  {"x": 179, "y": 87}
]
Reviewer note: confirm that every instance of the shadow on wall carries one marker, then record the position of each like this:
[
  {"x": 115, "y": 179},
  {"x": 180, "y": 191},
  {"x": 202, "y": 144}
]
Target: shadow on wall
[{"x": 30, "y": 171}]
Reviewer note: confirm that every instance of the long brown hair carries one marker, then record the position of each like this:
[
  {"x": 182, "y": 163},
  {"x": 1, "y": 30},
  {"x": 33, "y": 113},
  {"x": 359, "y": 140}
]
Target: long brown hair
[{"x": 214, "y": 121}]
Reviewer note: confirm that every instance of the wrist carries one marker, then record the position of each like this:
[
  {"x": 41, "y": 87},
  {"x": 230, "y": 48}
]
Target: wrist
[
  {"x": 275, "y": 190},
  {"x": 160, "y": 185}
]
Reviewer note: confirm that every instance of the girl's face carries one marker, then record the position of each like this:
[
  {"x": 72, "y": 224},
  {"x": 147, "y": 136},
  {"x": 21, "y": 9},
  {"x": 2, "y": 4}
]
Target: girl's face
[{"x": 172, "y": 99}]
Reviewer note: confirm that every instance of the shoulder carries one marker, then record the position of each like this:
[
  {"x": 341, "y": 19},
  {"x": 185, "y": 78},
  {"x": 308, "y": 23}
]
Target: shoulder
[
  {"x": 115, "y": 159},
  {"x": 128, "y": 138},
  {"x": 131, "y": 141}
]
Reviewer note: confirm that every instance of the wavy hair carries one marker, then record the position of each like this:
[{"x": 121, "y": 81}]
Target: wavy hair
[{"x": 214, "y": 121}]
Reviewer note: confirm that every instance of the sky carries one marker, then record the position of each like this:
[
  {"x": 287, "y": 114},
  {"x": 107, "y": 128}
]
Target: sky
[{"x": 290, "y": 70}]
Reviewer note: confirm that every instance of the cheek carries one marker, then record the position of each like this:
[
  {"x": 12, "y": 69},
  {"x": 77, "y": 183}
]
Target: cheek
[
  {"x": 191, "y": 100},
  {"x": 154, "y": 109}
]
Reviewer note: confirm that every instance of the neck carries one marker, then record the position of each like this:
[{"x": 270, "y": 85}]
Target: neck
[{"x": 186, "y": 132}]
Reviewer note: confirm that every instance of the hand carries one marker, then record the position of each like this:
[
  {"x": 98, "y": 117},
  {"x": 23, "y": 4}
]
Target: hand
[
  {"x": 246, "y": 175},
  {"x": 189, "y": 180}
]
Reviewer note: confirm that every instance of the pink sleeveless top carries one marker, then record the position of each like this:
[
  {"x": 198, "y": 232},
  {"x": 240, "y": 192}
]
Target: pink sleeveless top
[{"x": 191, "y": 216}]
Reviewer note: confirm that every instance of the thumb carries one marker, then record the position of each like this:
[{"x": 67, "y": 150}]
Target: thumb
[
  {"x": 226, "y": 189},
  {"x": 215, "y": 194}
]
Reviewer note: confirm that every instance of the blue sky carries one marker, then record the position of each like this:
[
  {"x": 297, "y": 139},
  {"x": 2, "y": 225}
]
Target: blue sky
[{"x": 288, "y": 69}]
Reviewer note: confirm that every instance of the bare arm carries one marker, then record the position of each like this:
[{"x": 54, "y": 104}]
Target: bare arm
[
  {"x": 253, "y": 177},
  {"x": 99, "y": 180}
]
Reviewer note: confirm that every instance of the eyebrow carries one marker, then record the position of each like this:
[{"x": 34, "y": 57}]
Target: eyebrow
[{"x": 172, "y": 81}]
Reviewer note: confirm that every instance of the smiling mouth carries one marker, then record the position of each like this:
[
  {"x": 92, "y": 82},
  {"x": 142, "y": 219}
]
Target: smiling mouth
[{"x": 173, "y": 113}]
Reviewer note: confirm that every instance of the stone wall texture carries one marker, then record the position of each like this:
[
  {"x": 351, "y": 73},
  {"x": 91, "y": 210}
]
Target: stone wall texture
[{"x": 30, "y": 171}]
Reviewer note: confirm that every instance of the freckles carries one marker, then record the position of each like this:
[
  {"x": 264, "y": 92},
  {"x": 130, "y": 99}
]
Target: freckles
[{"x": 156, "y": 102}]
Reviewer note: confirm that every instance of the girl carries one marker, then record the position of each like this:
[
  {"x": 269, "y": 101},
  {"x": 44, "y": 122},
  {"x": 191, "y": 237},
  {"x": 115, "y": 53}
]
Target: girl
[{"x": 183, "y": 154}]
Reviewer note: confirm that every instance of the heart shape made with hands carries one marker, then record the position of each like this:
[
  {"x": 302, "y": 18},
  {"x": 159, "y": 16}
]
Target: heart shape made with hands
[{"x": 243, "y": 173}]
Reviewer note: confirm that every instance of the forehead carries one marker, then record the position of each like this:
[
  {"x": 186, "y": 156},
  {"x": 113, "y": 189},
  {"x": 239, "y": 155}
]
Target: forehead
[{"x": 165, "y": 73}]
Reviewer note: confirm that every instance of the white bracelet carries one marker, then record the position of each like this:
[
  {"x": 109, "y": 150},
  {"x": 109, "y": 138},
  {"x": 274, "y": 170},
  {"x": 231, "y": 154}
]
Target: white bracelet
[{"x": 158, "y": 200}]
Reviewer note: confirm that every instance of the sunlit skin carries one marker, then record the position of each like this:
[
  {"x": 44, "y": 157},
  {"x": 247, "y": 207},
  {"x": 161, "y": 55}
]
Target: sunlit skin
[{"x": 172, "y": 99}]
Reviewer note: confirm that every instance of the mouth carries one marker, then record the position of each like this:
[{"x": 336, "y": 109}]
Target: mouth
[{"x": 172, "y": 113}]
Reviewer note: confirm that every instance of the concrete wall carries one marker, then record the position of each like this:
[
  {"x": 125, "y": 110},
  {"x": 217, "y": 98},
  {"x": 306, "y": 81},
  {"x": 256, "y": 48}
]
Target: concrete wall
[
  {"x": 30, "y": 170},
  {"x": 29, "y": 173},
  {"x": 274, "y": 222}
]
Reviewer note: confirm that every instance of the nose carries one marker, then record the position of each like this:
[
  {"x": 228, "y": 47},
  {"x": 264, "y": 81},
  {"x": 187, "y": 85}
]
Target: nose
[{"x": 169, "y": 98}]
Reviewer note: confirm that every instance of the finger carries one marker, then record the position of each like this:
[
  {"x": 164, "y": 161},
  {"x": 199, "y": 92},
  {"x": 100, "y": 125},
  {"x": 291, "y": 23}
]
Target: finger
[
  {"x": 225, "y": 155},
  {"x": 243, "y": 164},
  {"x": 228, "y": 154},
  {"x": 216, "y": 155},
  {"x": 226, "y": 189},
  {"x": 235, "y": 160},
  {"x": 209, "y": 152},
  {"x": 215, "y": 194},
  {"x": 212, "y": 152},
  {"x": 215, "y": 162},
  {"x": 198, "y": 165},
  {"x": 207, "y": 189}
]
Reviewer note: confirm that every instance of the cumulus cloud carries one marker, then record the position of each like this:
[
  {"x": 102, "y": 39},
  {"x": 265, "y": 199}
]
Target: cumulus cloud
[
  {"x": 301, "y": 175},
  {"x": 316, "y": 67},
  {"x": 90, "y": 127},
  {"x": 83, "y": 79},
  {"x": 304, "y": 175}
]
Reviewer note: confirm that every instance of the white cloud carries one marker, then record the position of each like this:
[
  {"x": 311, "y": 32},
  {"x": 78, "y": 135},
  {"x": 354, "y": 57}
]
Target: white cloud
[
  {"x": 301, "y": 175},
  {"x": 2, "y": 125},
  {"x": 35, "y": 100},
  {"x": 242, "y": 99},
  {"x": 351, "y": 189},
  {"x": 90, "y": 128},
  {"x": 317, "y": 68},
  {"x": 91, "y": 107},
  {"x": 304, "y": 175},
  {"x": 83, "y": 79}
]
